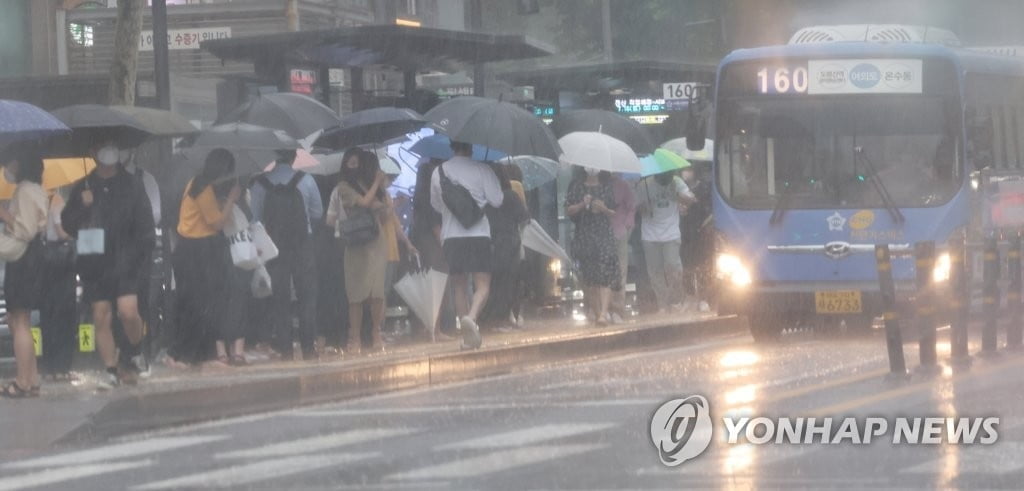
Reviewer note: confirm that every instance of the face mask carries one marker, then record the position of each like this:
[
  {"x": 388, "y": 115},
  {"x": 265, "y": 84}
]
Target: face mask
[
  {"x": 592, "y": 172},
  {"x": 107, "y": 155},
  {"x": 124, "y": 155}
]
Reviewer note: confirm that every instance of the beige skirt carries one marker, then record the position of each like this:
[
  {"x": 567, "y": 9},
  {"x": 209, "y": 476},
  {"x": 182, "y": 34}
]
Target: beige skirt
[{"x": 365, "y": 270}]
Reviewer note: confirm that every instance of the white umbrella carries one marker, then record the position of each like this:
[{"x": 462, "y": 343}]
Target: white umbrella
[
  {"x": 598, "y": 151},
  {"x": 423, "y": 292},
  {"x": 331, "y": 164},
  {"x": 537, "y": 171},
  {"x": 536, "y": 239},
  {"x": 678, "y": 146}
]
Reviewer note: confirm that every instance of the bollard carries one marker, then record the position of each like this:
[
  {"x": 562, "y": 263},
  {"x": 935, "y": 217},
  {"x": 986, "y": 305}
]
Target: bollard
[
  {"x": 924, "y": 257},
  {"x": 1013, "y": 293},
  {"x": 959, "y": 301},
  {"x": 990, "y": 295},
  {"x": 893, "y": 337}
]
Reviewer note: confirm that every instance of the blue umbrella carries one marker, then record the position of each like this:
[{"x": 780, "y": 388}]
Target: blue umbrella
[
  {"x": 438, "y": 146},
  {"x": 20, "y": 121}
]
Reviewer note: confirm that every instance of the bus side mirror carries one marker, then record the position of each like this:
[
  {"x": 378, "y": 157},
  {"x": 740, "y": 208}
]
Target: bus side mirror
[{"x": 696, "y": 133}]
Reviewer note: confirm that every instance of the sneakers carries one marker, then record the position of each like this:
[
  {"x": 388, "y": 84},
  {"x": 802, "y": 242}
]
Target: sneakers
[
  {"x": 617, "y": 319},
  {"x": 704, "y": 307},
  {"x": 470, "y": 333}
]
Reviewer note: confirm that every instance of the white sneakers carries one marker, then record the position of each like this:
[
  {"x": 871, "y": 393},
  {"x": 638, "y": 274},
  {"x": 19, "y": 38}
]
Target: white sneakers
[{"x": 470, "y": 333}]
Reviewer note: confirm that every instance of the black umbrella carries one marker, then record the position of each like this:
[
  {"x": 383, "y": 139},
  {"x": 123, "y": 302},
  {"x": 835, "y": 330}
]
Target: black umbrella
[
  {"x": 254, "y": 147},
  {"x": 159, "y": 122},
  {"x": 612, "y": 124},
  {"x": 93, "y": 124},
  {"x": 495, "y": 124},
  {"x": 372, "y": 126},
  {"x": 295, "y": 114}
]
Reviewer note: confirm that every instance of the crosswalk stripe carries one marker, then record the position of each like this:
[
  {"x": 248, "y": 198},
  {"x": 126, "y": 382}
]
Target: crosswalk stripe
[
  {"x": 529, "y": 436},
  {"x": 114, "y": 452},
  {"x": 75, "y": 472},
  {"x": 316, "y": 443},
  {"x": 988, "y": 459},
  {"x": 262, "y": 470},
  {"x": 448, "y": 408},
  {"x": 493, "y": 462}
]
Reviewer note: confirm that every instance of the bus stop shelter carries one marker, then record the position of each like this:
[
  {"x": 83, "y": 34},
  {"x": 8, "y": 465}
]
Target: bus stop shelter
[{"x": 276, "y": 57}]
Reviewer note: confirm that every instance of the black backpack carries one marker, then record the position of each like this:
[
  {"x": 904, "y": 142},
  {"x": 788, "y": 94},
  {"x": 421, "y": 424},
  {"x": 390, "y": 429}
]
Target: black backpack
[
  {"x": 459, "y": 201},
  {"x": 284, "y": 212}
]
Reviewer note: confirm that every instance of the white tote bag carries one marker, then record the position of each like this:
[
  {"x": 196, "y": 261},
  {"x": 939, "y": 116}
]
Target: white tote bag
[
  {"x": 243, "y": 251},
  {"x": 265, "y": 247}
]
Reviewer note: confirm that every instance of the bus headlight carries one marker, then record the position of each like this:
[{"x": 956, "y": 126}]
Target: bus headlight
[
  {"x": 940, "y": 272},
  {"x": 732, "y": 268},
  {"x": 555, "y": 266}
]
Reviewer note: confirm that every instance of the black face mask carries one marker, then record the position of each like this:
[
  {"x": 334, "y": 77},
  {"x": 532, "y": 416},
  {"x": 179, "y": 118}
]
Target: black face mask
[{"x": 663, "y": 179}]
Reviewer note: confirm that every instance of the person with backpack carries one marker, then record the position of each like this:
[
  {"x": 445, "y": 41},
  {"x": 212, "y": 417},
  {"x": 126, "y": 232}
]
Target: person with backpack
[
  {"x": 288, "y": 203},
  {"x": 460, "y": 189}
]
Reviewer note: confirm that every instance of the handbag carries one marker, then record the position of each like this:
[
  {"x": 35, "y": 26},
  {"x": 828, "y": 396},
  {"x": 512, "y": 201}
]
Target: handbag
[
  {"x": 243, "y": 251},
  {"x": 460, "y": 201},
  {"x": 265, "y": 247},
  {"x": 359, "y": 228}
]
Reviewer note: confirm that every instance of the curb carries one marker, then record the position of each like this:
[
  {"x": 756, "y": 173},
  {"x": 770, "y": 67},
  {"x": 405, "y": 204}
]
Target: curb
[{"x": 146, "y": 412}]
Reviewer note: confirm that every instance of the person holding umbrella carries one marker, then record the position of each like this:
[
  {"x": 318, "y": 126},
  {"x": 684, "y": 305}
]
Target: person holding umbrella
[
  {"x": 110, "y": 211},
  {"x": 590, "y": 204},
  {"x": 24, "y": 218},
  {"x": 662, "y": 198},
  {"x": 467, "y": 246}
]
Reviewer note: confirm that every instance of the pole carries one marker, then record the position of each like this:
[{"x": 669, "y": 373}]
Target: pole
[
  {"x": 990, "y": 296},
  {"x": 959, "y": 301},
  {"x": 1013, "y": 294},
  {"x": 161, "y": 63},
  {"x": 924, "y": 255},
  {"x": 606, "y": 29},
  {"x": 476, "y": 24},
  {"x": 893, "y": 337}
]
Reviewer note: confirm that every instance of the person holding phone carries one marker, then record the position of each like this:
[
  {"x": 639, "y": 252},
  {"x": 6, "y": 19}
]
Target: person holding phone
[{"x": 590, "y": 204}]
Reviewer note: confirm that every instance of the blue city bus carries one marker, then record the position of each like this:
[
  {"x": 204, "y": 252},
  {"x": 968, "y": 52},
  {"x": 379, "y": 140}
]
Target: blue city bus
[{"x": 824, "y": 150}]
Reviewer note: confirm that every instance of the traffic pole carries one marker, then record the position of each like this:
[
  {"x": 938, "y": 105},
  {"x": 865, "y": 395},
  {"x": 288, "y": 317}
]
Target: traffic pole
[
  {"x": 990, "y": 295},
  {"x": 1013, "y": 294},
  {"x": 924, "y": 257},
  {"x": 959, "y": 302},
  {"x": 893, "y": 337}
]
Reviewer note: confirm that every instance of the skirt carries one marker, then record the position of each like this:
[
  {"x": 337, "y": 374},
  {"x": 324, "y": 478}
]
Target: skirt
[
  {"x": 365, "y": 271},
  {"x": 23, "y": 279}
]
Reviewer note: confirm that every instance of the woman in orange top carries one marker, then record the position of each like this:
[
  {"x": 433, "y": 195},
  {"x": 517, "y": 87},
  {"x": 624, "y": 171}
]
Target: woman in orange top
[{"x": 202, "y": 259}]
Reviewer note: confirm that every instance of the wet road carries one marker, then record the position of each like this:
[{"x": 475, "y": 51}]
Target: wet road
[{"x": 584, "y": 426}]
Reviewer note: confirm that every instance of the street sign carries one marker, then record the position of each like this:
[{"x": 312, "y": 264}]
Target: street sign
[
  {"x": 185, "y": 38},
  {"x": 37, "y": 340},
  {"x": 86, "y": 338}
]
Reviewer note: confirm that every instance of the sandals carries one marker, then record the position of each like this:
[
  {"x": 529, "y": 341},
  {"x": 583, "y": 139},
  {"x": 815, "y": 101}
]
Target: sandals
[{"x": 14, "y": 391}]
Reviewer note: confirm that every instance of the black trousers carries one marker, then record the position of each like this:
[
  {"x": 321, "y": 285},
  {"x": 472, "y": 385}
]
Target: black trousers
[
  {"x": 294, "y": 267},
  {"x": 58, "y": 319},
  {"x": 201, "y": 268}
]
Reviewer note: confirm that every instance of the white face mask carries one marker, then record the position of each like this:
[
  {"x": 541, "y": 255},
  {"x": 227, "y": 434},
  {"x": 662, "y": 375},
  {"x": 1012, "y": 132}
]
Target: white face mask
[
  {"x": 107, "y": 155},
  {"x": 124, "y": 155}
]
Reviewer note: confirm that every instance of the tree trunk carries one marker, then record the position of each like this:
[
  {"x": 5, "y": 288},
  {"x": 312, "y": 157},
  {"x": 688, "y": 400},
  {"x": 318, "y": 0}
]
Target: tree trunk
[
  {"x": 126, "y": 52},
  {"x": 291, "y": 11}
]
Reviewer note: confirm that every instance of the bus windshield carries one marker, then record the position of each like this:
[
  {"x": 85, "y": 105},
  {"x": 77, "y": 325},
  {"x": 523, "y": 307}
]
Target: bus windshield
[{"x": 824, "y": 152}]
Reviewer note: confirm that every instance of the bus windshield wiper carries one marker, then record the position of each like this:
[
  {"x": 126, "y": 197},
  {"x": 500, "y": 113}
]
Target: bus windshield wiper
[
  {"x": 781, "y": 205},
  {"x": 876, "y": 181}
]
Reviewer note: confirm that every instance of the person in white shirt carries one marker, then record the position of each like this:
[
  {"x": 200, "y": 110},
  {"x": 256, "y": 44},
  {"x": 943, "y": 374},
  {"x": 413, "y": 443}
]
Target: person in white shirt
[
  {"x": 467, "y": 250},
  {"x": 661, "y": 199}
]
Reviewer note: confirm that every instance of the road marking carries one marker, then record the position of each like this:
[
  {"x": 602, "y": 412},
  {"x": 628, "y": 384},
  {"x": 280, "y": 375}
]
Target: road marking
[
  {"x": 1001, "y": 458},
  {"x": 493, "y": 462},
  {"x": 333, "y": 413},
  {"x": 262, "y": 470},
  {"x": 75, "y": 472},
  {"x": 528, "y": 436},
  {"x": 114, "y": 452},
  {"x": 316, "y": 443}
]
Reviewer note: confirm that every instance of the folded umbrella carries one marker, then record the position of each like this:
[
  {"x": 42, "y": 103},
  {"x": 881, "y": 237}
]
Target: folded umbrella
[
  {"x": 438, "y": 146},
  {"x": 662, "y": 161},
  {"x": 536, "y": 239},
  {"x": 372, "y": 127},
  {"x": 423, "y": 292},
  {"x": 612, "y": 124},
  {"x": 159, "y": 122},
  {"x": 57, "y": 173},
  {"x": 296, "y": 114},
  {"x": 537, "y": 171},
  {"x": 495, "y": 124},
  {"x": 20, "y": 121},
  {"x": 598, "y": 151}
]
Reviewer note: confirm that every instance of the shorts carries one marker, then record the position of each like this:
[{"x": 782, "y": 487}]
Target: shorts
[
  {"x": 110, "y": 287},
  {"x": 468, "y": 255},
  {"x": 23, "y": 281}
]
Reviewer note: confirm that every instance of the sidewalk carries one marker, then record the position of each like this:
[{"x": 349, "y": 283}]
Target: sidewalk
[{"x": 67, "y": 413}]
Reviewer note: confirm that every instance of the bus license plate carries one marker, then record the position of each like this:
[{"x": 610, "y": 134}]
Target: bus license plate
[{"x": 837, "y": 302}]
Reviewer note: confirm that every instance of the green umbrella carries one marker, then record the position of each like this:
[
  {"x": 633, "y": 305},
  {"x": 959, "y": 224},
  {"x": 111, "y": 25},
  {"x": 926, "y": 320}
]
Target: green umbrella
[{"x": 662, "y": 161}]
